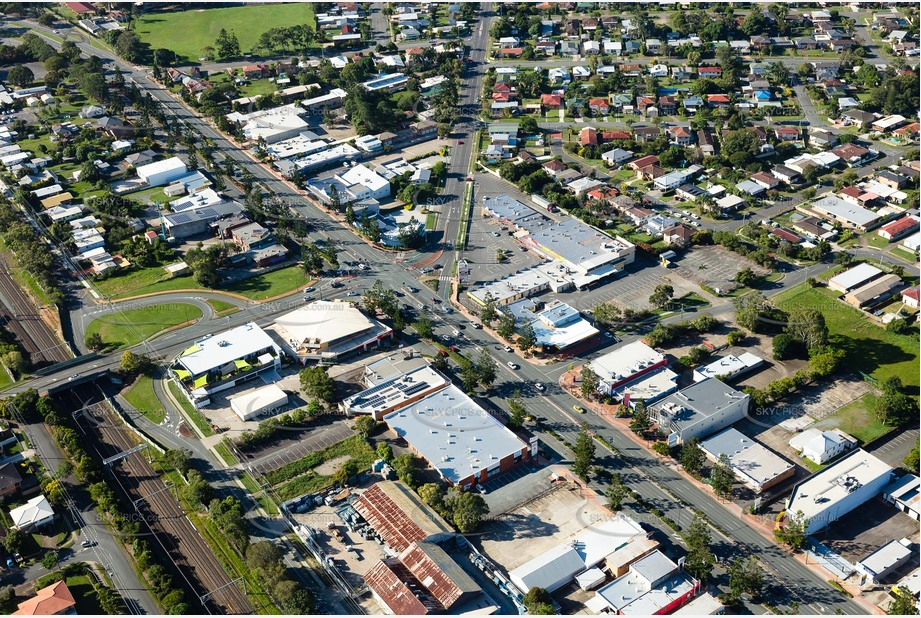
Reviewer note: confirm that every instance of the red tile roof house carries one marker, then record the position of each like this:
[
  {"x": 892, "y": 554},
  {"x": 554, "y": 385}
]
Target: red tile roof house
[
  {"x": 766, "y": 180},
  {"x": 790, "y": 134},
  {"x": 610, "y": 136},
  {"x": 667, "y": 106},
  {"x": 852, "y": 155},
  {"x": 680, "y": 136},
  {"x": 53, "y": 600},
  {"x": 643, "y": 103},
  {"x": 588, "y": 136},
  {"x": 511, "y": 52},
  {"x": 642, "y": 162},
  {"x": 554, "y": 167},
  {"x": 908, "y": 132},
  {"x": 912, "y": 297},
  {"x": 786, "y": 235},
  {"x": 709, "y": 71},
  {"x": 255, "y": 70},
  {"x": 551, "y": 101},
  {"x": 718, "y": 100},
  {"x": 81, "y": 8},
  {"x": 599, "y": 106},
  {"x": 898, "y": 229},
  {"x": 502, "y": 87}
]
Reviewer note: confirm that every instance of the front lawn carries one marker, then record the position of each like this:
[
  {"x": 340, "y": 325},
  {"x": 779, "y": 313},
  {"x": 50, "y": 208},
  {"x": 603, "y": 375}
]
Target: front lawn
[
  {"x": 188, "y": 32},
  {"x": 142, "y": 398},
  {"x": 877, "y": 241},
  {"x": 868, "y": 347},
  {"x": 132, "y": 326}
]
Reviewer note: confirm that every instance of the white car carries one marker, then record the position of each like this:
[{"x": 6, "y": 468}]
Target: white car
[
  {"x": 539, "y": 387},
  {"x": 511, "y": 365},
  {"x": 457, "y": 333},
  {"x": 508, "y": 348},
  {"x": 476, "y": 325}
]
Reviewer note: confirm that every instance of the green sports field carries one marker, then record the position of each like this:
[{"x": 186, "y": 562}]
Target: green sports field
[{"x": 187, "y": 32}]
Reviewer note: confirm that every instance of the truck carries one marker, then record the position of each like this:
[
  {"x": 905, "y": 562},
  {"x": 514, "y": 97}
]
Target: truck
[{"x": 543, "y": 202}]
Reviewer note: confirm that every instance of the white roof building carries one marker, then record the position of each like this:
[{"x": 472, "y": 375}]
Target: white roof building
[
  {"x": 366, "y": 182},
  {"x": 822, "y": 446},
  {"x": 728, "y": 367},
  {"x": 653, "y": 585},
  {"x": 838, "y": 489},
  {"x": 33, "y": 514},
  {"x": 730, "y": 202},
  {"x": 625, "y": 364},
  {"x": 273, "y": 125},
  {"x": 880, "y": 564},
  {"x": 905, "y": 493},
  {"x": 259, "y": 401},
  {"x": 558, "y": 566},
  {"x": 396, "y": 392},
  {"x": 159, "y": 173},
  {"x": 329, "y": 329},
  {"x": 845, "y": 212},
  {"x": 209, "y": 364},
  {"x": 460, "y": 439},
  {"x": 853, "y": 278},
  {"x": 753, "y": 464}
]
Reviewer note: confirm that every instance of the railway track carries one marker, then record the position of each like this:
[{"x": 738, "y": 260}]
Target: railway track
[
  {"x": 163, "y": 515},
  {"x": 21, "y": 317}
]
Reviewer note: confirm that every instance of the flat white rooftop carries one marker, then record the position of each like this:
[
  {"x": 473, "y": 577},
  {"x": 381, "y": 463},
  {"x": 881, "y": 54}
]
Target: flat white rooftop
[
  {"x": 728, "y": 366},
  {"x": 625, "y": 362},
  {"x": 835, "y": 482},
  {"x": 394, "y": 392},
  {"x": 216, "y": 351},
  {"x": 883, "y": 560},
  {"x": 853, "y": 278},
  {"x": 454, "y": 434},
  {"x": 755, "y": 464},
  {"x": 323, "y": 321}
]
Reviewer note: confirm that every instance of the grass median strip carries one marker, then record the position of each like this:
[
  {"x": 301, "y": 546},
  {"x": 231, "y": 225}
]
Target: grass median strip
[
  {"x": 142, "y": 398},
  {"x": 191, "y": 413}
]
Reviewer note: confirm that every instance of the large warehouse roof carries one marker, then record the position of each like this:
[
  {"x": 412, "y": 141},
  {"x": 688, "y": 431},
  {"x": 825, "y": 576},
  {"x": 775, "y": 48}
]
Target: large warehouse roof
[
  {"x": 324, "y": 321},
  {"x": 399, "y": 516},
  {"x": 218, "y": 350},
  {"x": 454, "y": 434}
]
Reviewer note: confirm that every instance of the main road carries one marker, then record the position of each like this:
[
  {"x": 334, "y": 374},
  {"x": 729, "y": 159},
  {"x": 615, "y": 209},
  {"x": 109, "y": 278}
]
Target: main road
[{"x": 653, "y": 479}]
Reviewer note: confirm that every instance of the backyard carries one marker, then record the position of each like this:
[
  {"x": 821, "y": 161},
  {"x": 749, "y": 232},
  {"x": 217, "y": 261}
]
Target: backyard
[
  {"x": 868, "y": 347},
  {"x": 188, "y": 32},
  {"x": 132, "y": 326}
]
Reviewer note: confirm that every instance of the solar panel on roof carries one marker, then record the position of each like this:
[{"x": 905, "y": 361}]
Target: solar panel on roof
[
  {"x": 207, "y": 212},
  {"x": 415, "y": 388},
  {"x": 181, "y": 218}
]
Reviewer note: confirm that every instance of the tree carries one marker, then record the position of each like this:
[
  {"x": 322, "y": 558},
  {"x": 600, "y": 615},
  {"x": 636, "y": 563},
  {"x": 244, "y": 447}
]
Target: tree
[
  {"x": 506, "y": 327},
  {"x": 692, "y": 457},
  {"x": 20, "y": 75},
  {"x": 94, "y": 341},
  {"x": 486, "y": 369},
  {"x": 700, "y": 558},
  {"x": 722, "y": 477},
  {"x": 466, "y": 510},
  {"x": 661, "y": 295},
  {"x": 903, "y": 604},
  {"x": 14, "y": 540},
  {"x": 807, "y": 326},
  {"x": 132, "y": 363},
  {"x": 793, "y": 533},
  {"x": 517, "y": 411},
  {"x": 423, "y": 326},
  {"x": 536, "y": 600},
  {"x": 489, "y": 313},
  {"x": 589, "y": 386},
  {"x": 365, "y": 426},
  {"x": 433, "y": 495},
  {"x": 640, "y": 423},
  {"x": 746, "y": 277},
  {"x": 735, "y": 337},
  {"x": 527, "y": 339},
  {"x": 196, "y": 491},
  {"x": 407, "y": 468},
  {"x": 895, "y": 407},
  {"x": 385, "y": 452},
  {"x": 50, "y": 559},
  {"x": 584, "y": 454},
  {"x": 745, "y": 576},
  {"x": 783, "y": 345},
  {"x": 911, "y": 460},
  {"x": 179, "y": 460},
  {"x": 616, "y": 493},
  {"x": 315, "y": 382}
]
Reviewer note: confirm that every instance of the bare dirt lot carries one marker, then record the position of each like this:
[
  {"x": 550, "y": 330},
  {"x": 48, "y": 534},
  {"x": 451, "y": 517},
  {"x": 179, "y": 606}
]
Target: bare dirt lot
[{"x": 521, "y": 535}]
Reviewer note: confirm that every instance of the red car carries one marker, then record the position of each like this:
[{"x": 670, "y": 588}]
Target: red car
[
  {"x": 459, "y": 142},
  {"x": 442, "y": 352}
]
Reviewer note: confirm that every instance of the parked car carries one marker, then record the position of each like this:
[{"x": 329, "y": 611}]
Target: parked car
[{"x": 310, "y": 289}]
